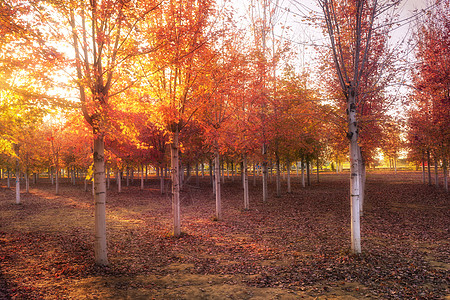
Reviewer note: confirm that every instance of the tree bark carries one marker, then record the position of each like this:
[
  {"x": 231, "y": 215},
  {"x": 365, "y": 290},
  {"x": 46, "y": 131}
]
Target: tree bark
[
  {"x": 278, "y": 175},
  {"x": 119, "y": 181},
  {"x": 423, "y": 168},
  {"x": 288, "y": 165},
  {"x": 429, "y": 167},
  {"x": 303, "y": 173},
  {"x": 175, "y": 168},
  {"x": 161, "y": 180},
  {"x": 436, "y": 173},
  {"x": 142, "y": 177},
  {"x": 355, "y": 190},
  {"x": 217, "y": 185},
  {"x": 244, "y": 171},
  {"x": 308, "y": 172},
  {"x": 17, "y": 181},
  {"x": 100, "y": 247},
  {"x": 445, "y": 170}
]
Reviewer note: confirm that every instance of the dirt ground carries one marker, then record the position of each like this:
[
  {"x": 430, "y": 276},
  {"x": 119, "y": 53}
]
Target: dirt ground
[{"x": 291, "y": 247}]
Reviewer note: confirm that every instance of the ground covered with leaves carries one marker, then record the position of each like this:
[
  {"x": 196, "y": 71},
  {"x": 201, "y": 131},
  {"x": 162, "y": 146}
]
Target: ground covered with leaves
[{"x": 291, "y": 247}]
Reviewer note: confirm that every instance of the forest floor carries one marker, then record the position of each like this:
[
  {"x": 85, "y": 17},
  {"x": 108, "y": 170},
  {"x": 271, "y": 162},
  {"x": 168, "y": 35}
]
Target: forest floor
[{"x": 291, "y": 247}]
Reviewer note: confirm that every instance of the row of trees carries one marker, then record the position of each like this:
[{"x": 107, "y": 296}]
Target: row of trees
[
  {"x": 429, "y": 115},
  {"x": 159, "y": 82}
]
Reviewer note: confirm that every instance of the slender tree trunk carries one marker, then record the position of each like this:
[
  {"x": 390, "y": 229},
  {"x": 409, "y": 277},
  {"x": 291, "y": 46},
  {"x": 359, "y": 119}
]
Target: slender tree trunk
[
  {"x": 119, "y": 181},
  {"x": 197, "y": 178},
  {"x": 288, "y": 164},
  {"x": 142, "y": 177},
  {"x": 429, "y": 167},
  {"x": 17, "y": 181},
  {"x": 254, "y": 174},
  {"x": 175, "y": 185},
  {"x": 445, "y": 170},
  {"x": 85, "y": 184},
  {"x": 354, "y": 174},
  {"x": 278, "y": 175},
  {"x": 436, "y": 173},
  {"x": 203, "y": 170},
  {"x": 303, "y": 173},
  {"x": 308, "y": 171},
  {"x": 423, "y": 168},
  {"x": 161, "y": 180},
  {"x": 57, "y": 176},
  {"x": 211, "y": 179},
  {"x": 27, "y": 182},
  {"x": 232, "y": 171},
  {"x": 8, "y": 179},
  {"x": 244, "y": 171},
  {"x": 222, "y": 172},
  {"x": 217, "y": 185},
  {"x": 100, "y": 247}
]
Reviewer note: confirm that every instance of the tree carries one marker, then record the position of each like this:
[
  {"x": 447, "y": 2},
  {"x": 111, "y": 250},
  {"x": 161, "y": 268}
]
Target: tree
[
  {"x": 430, "y": 113},
  {"x": 354, "y": 36}
]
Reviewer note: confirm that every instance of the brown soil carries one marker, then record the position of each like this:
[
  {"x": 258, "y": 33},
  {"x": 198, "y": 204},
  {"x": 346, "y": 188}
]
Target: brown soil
[{"x": 295, "y": 246}]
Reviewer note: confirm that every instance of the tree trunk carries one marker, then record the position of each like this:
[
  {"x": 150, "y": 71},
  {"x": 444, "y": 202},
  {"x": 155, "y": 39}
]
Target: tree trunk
[
  {"x": 217, "y": 185},
  {"x": 232, "y": 171},
  {"x": 161, "y": 180},
  {"x": 429, "y": 167},
  {"x": 142, "y": 177},
  {"x": 8, "y": 179},
  {"x": 175, "y": 168},
  {"x": 288, "y": 165},
  {"x": 436, "y": 173},
  {"x": 17, "y": 181},
  {"x": 211, "y": 179},
  {"x": 308, "y": 172},
  {"x": 423, "y": 168},
  {"x": 244, "y": 171},
  {"x": 278, "y": 179},
  {"x": 254, "y": 174},
  {"x": 100, "y": 247},
  {"x": 303, "y": 172},
  {"x": 444, "y": 168},
  {"x": 119, "y": 181},
  {"x": 57, "y": 175},
  {"x": 197, "y": 178},
  {"x": 355, "y": 190}
]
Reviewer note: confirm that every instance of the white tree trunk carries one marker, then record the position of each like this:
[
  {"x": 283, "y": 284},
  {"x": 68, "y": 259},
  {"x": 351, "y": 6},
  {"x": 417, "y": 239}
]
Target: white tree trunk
[
  {"x": 119, "y": 181},
  {"x": 17, "y": 182},
  {"x": 354, "y": 175},
  {"x": 100, "y": 247},
  {"x": 175, "y": 169},
  {"x": 217, "y": 186},
  {"x": 244, "y": 170}
]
